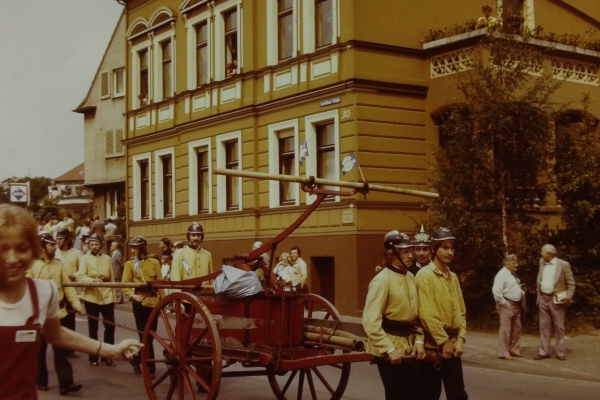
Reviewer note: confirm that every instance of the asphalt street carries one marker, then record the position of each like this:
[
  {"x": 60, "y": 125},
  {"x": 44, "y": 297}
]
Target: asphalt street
[{"x": 486, "y": 377}]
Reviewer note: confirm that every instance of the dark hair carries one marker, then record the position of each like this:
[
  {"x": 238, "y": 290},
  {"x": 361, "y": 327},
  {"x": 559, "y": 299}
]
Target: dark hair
[
  {"x": 297, "y": 249},
  {"x": 166, "y": 241},
  {"x": 16, "y": 217}
]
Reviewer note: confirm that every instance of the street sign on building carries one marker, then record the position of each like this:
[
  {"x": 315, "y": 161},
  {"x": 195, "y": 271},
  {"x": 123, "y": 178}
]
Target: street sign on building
[{"x": 19, "y": 192}]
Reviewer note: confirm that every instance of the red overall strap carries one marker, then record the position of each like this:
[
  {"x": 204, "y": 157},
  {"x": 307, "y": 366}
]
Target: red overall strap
[{"x": 34, "y": 300}]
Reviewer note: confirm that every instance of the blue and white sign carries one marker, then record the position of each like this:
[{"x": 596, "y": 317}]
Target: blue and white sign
[
  {"x": 19, "y": 192},
  {"x": 303, "y": 152},
  {"x": 348, "y": 163}
]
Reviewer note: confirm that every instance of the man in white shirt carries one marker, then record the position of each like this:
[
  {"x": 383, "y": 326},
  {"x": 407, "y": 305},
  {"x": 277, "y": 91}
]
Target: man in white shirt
[
  {"x": 555, "y": 290},
  {"x": 300, "y": 268},
  {"x": 508, "y": 294}
]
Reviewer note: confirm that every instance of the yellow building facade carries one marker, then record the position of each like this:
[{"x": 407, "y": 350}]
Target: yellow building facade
[{"x": 243, "y": 84}]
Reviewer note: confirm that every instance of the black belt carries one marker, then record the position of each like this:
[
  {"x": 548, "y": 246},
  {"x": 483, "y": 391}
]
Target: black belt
[
  {"x": 398, "y": 328},
  {"x": 547, "y": 294}
]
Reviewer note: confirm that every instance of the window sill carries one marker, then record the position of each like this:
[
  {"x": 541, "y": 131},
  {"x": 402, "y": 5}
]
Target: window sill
[
  {"x": 114, "y": 155},
  {"x": 119, "y": 96}
]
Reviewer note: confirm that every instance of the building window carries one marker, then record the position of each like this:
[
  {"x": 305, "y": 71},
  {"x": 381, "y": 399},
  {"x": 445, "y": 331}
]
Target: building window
[
  {"x": 323, "y": 22},
  {"x": 322, "y": 138},
  {"x": 143, "y": 77},
  {"x": 104, "y": 85},
  {"x": 287, "y": 166},
  {"x": 145, "y": 189},
  {"x": 167, "y": 69},
  {"x": 232, "y": 183},
  {"x": 165, "y": 183},
  {"x": 114, "y": 143},
  {"x": 283, "y": 145},
  {"x": 320, "y": 24},
  {"x": 119, "y": 82},
  {"x": 202, "y": 162},
  {"x": 285, "y": 28},
  {"x": 512, "y": 15},
  {"x": 326, "y": 160},
  {"x": 200, "y": 179},
  {"x": 229, "y": 156},
  {"x": 202, "y": 71},
  {"x": 114, "y": 198},
  {"x": 167, "y": 179},
  {"x": 231, "y": 42}
]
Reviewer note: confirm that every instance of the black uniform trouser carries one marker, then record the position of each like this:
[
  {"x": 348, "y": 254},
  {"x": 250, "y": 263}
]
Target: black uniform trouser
[
  {"x": 68, "y": 321},
  {"x": 142, "y": 315},
  {"x": 429, "y": 381},
  {"x": 108, "y": 314},
  {"x": 398, "y": 379},
  {"x": 62, "y": 366}
]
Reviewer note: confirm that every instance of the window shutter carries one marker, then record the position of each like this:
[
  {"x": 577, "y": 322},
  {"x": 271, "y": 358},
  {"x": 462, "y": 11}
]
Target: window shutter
[
  {"x": 110, "y": 149},
  {"x": 104, "y": 87},
  {"x": 118, "y": 141}
]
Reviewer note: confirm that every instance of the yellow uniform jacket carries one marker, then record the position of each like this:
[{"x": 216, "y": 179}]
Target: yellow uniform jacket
[
  {"x": 92, "y": 267},
  {"x": 189, "y": 263},
  {"x": 54, "y": 270},
  {"x": 149, "y": 270},
  {"x": 70, "y": 259},
  {"x": 394, "y": 296},
  {"x": 441, "y": 305}
]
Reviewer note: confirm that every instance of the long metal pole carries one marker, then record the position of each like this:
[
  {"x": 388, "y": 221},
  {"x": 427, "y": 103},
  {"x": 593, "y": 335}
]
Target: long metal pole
[{"x": 325, "y": 182}]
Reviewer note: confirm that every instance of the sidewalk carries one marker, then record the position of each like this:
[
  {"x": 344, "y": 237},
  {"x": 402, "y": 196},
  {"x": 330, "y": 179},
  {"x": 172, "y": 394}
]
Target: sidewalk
[{"x": 582, "y": 363}]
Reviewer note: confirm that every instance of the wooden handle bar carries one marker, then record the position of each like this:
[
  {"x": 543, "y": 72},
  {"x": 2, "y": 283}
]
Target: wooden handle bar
[
  {"x": 326, "y": 182},
  {"x": 128, "y": 285}
]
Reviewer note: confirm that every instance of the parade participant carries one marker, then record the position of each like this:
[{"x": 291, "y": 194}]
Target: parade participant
[
  {"x": 422, "y": 243},
  {"x": 165, "y": 247},
  {"x": 390, "y": 319},
  {"x": 443, "y": 315},
  {"x": 555, "y": 290},
  {"x": 97, "y": 267},
  {"x": 166, "y": 260},
  {"x": 117, "y": 262},
  {"x": 142, "y": 269},
  {"x": 193, "y": 260},
  {"x": 70, "y": 259},
  {"x": 508, "y": 294},
  {"x": 300, "y": 269},
  {"x": 110, "y": 230},
  {"x": 29, "y": 307},
  {"x": 49, "y": 268}
]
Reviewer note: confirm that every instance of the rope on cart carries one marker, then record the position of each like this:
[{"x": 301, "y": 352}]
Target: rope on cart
[{"x": 104, "y": 321}]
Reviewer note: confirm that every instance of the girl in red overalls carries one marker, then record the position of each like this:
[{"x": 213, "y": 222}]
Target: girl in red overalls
[{"x": 29, "y": 308}]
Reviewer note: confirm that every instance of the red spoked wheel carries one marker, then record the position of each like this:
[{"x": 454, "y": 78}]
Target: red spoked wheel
[
  {"x": 190, "y": 348},
  {"x": 322, "y": 382}
]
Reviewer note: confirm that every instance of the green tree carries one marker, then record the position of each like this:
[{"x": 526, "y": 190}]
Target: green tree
[
  {"x": 578, "y": 188},
  {"x": 494, "y": 160},
  {"x": 38, "y": 190}
]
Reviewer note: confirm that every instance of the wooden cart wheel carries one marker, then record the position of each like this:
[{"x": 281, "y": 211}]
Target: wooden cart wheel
[
  {"x": 323, "y": 382},
  {"x": 190, "y": 349}
]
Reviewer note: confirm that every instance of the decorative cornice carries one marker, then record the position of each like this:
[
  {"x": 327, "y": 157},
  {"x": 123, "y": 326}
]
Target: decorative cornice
[{"x": 311, "y": 95}]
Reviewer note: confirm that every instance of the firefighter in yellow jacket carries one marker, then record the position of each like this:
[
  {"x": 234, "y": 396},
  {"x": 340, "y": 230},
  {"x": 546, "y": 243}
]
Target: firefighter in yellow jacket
[
  {"x": 390, "y": 319},
  {"x": 141, "y": 269},
  {"x": 97, "y": 267},
  {"x": 443, "y": 315},
  {"x": 193, "y": 260},
  {"x": 49, "y": 268}
]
